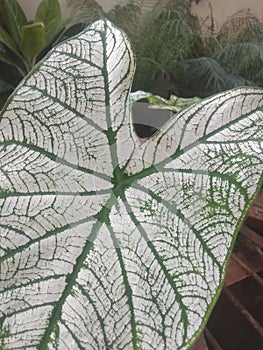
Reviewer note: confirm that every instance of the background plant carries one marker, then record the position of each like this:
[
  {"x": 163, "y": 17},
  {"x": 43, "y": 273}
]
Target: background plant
[
  {"x": 160, "y": 30},
  {"x": 24, "y": 42},
  {"x": 227, "y": 59},
  {"x": 175, "y": 55}
]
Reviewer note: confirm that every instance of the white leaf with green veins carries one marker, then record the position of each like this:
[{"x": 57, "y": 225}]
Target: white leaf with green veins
[{"x": 108, "y": 242}]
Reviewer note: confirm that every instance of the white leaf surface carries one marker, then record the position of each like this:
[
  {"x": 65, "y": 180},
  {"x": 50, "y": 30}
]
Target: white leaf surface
[{"x": 108, "y": 242}]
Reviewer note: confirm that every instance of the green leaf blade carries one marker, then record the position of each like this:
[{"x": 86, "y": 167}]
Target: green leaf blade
[
  {"x": 49, "y": 13},
  {"x": 32, "y": 39},
  {"x": 8, "y": 41},
  {"x": 13, "y": 17},
  {"x": 107, "y": 241}
]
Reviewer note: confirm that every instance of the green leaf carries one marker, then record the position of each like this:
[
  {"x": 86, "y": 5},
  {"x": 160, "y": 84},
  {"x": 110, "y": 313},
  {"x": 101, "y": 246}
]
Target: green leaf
[
  {"x": 203, "y": 77},
  {"x": 174, "y": 104},
  {"x": 14, "y": 18},
  {"x": 49, "y": 13},
  {"x": 58, "y": 29},
  {"x": 8, "y": 41},
  {"x": 108, "y": 242},
  {"x": 32, "y": 39}
]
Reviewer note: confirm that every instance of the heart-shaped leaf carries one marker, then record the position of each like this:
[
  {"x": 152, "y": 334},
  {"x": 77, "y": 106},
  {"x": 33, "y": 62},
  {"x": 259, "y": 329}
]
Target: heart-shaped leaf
[{"x": 108, "y": 242}]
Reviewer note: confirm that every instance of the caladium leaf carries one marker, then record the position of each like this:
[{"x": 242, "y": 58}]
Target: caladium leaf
[{"x": 108, "y": 242}]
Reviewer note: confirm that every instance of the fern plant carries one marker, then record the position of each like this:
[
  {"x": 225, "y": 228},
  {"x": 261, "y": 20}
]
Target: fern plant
[
  {"x": 160, "y": 30},
  {"x": 232, "y": 57}
]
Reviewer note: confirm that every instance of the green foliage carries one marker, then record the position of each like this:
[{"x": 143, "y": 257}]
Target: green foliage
[
  {"x": 203, "y": 77},
  {"x": 174, "y": 104},
  {"x": 108, "y": 241},
  {"x": 169, "y": 43},
  {"x": 230, "y": 58},
  {"x": 22, "y": 42},
  {"x": 244, "y": 59},
  {"x": 32, "y": 40},
  {"x": 160, "y": 30}
]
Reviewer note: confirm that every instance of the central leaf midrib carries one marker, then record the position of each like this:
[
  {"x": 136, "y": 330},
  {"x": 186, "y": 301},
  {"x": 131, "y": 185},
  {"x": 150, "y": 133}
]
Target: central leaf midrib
[{"x": 111, "y": 135}]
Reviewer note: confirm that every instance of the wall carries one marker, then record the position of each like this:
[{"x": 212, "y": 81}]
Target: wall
[
  {"x": 30, "y": 6},
  {"x": 222, "y": 9},
  {"x": 109, "y": 4}
]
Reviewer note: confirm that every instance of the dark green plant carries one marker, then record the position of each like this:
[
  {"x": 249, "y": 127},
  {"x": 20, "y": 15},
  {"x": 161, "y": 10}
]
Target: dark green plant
[
  {"x": 23, "y": 42},
  {"x": 202, "y": 77},
  {"x": 160, "y": 30},
  {"x": 230, "y": 58},
  {"x": 244, "y": 59}
]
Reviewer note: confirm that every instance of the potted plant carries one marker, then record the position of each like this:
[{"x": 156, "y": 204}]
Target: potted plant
[
  {"x": 230, "y": 58},
  {"x": 24, "y": 42},
  {"x": 161, "y": 31},
  {"x": 109, "y": 241}
]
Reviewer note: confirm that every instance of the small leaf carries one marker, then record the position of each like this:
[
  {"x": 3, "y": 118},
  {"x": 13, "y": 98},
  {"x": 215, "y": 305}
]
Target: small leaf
[
  {"x": 174, "y": 104},
  {"x": 32, "y": 39},
  {"x": 49, "y": 13},
  {"x": 8, "y": 41},
  {"x": 14, "y": 18},
  {"x": 139, "y": 95},
  {"x": 107, "y": 242},
  {"x": 58, "y": 29}
]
